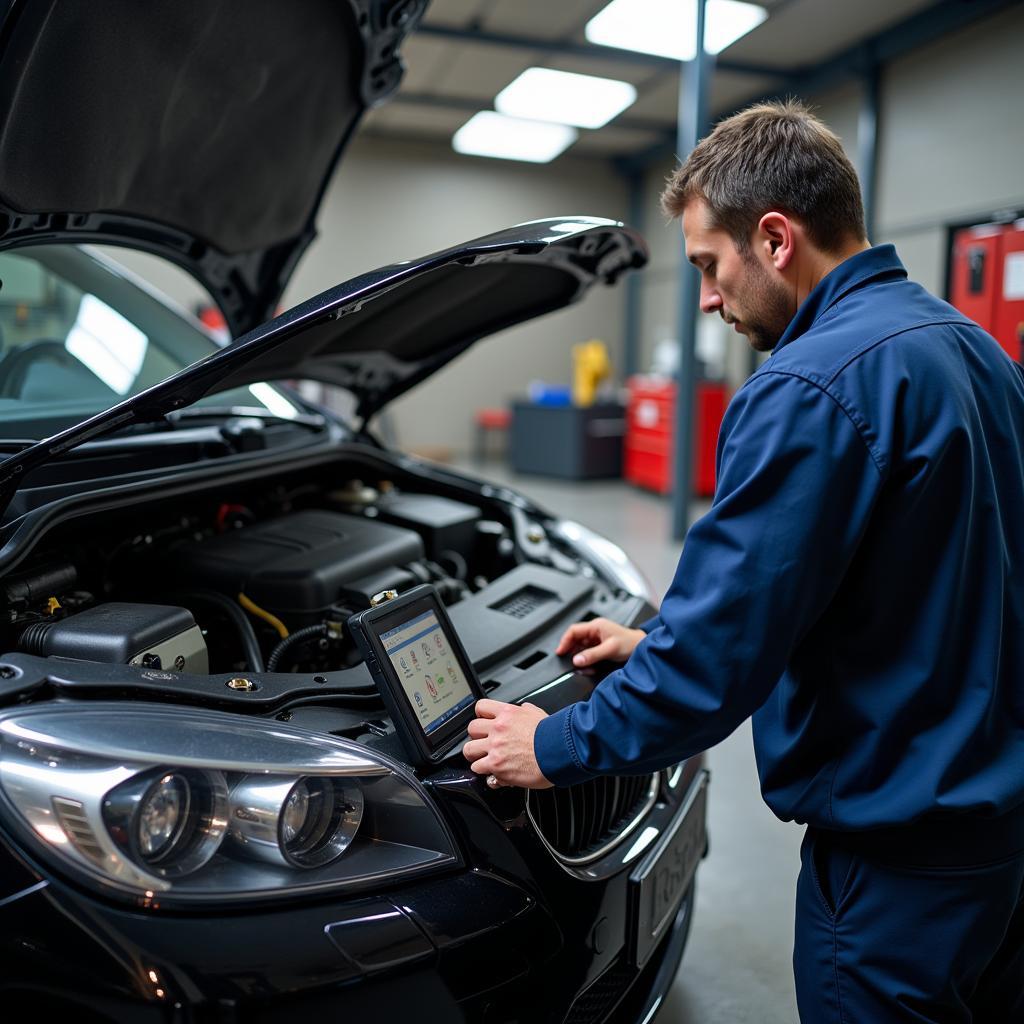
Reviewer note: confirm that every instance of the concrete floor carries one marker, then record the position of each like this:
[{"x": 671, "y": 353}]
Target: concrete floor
[{"x": 737, "y": 966}]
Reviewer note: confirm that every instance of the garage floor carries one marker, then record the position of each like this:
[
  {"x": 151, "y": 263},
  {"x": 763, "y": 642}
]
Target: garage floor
[{"x": 737, "y": 964}]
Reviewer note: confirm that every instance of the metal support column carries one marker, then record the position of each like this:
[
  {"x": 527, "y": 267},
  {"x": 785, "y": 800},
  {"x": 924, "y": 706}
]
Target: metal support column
[
  {"x": 867, "y": 141},
  {"x": 693, "y": 106},
  {"x": 631, "y": 327}
]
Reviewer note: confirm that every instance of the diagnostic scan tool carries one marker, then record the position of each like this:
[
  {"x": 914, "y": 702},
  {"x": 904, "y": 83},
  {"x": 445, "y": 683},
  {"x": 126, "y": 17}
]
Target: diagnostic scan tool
[{"x": 421, "y": 670}]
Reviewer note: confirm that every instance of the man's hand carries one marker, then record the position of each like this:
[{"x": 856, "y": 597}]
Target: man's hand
[
  {"x": 598, "y": 640},
  {"x": 501, "y": 744}
]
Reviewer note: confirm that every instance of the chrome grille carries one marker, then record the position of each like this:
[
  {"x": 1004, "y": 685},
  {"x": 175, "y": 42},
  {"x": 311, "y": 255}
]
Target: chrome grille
[{"x": 583, "y": 822}]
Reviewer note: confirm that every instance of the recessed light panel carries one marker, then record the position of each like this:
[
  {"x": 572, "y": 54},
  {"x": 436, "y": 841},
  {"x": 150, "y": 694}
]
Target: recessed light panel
[
  {"x": 668, "y": 28},
  {"x": 565, "y": 98},
  {"x": 512, "y": 138}
]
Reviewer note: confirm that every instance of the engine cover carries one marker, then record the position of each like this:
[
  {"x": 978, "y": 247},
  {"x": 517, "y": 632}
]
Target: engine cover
[{"x": 299, "y": 564}]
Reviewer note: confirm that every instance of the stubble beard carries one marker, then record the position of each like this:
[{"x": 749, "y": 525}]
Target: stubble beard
[{"x": 770, "y": 308}]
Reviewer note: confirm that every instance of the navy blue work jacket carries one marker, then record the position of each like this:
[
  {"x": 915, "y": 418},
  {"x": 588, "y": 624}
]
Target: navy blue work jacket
[{"x": 858, "y": 584}]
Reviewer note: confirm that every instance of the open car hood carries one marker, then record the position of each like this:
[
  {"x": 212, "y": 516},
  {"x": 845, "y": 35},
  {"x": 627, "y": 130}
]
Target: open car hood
[
  {"x": 201, "y": 132},
  {"x": 380, "y": 333}
]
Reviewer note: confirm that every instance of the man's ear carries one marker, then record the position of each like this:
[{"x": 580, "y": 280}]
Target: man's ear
[{"x": 776, "y": 237}]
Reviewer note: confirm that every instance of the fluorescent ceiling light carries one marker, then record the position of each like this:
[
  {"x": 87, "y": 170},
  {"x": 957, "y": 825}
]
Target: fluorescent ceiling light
[
  {"x": 668, "y": 28},
  {"x": 512, "y": 138},
  {"x": 565, "y": 98}
]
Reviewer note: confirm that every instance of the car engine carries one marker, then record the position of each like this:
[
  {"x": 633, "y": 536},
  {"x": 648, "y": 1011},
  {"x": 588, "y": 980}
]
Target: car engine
[{"x": 262, "y": 582}]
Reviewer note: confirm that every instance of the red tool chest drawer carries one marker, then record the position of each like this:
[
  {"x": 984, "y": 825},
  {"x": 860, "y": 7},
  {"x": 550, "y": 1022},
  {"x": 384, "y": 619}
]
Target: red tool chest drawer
[
  {"x": 987, "y": 280},
  {"x": 650, "y": 423}
]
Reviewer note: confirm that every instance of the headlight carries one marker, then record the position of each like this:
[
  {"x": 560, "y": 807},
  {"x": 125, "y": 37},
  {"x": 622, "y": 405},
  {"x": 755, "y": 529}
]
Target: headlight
[
  {"x": 303, "y": 822},
  {"x": 607, "y": 558},
  {"x": 170, "y": 822},
  {"x": 179, "y": 805}
]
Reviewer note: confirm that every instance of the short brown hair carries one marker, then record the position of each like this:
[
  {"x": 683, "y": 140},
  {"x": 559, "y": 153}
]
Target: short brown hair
[{"x": 772, "y": 156}]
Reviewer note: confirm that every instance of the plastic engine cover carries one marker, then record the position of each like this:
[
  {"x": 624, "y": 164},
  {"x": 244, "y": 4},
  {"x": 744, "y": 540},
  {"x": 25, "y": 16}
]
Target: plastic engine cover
[{"x": 297, "y": 564}]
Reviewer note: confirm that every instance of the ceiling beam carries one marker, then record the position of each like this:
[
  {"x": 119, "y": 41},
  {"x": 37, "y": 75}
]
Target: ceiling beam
[{"x": 565, "y": 47}]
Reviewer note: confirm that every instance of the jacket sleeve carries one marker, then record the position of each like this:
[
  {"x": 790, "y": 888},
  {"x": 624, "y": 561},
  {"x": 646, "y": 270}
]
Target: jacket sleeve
[{"x": 797, "y": 482}]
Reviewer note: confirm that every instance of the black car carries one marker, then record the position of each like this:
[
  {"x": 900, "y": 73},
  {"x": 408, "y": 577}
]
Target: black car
[{"x": 207, "y": 812}]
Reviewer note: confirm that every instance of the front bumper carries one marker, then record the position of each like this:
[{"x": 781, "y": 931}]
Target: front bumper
[{"x": 516, "y": 937}]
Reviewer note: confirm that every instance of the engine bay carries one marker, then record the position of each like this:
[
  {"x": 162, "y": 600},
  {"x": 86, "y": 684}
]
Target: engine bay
[
  {"x": 250, "y": 587},
  {"x": 269, "y": 580}
]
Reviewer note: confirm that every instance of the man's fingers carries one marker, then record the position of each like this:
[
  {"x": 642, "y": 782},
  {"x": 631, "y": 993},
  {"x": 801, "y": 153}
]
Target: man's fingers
[
  {"x": 487, "y": 708},
  {"x": 583, "y": 635},
  {"x": 575, "y": 635},
  {"x": 592, "y": 655},
  {"x": 504, "y": 748},
  {"x": 479, "y": 728},
  {"x": 474, "y": 750}
]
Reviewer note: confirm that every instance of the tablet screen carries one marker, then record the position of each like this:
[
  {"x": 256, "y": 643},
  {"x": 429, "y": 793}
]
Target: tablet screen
[{"x": 425, "y": 663}]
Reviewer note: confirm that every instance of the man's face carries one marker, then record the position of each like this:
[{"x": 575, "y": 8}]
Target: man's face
[{"x": 742, "y": 287}]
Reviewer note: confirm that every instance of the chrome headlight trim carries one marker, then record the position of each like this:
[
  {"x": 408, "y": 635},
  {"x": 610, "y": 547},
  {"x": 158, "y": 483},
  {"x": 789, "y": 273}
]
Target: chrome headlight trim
[
  {"x": 606, "y": 557},
  {"x": 198, "y": 827},
  {"x": 258, "y": 820}
]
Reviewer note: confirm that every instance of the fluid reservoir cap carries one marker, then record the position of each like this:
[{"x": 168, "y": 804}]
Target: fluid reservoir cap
[{"x": 382, "y": 597}]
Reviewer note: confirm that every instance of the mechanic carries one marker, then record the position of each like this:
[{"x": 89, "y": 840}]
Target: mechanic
[{"x": 857, "y": 586}]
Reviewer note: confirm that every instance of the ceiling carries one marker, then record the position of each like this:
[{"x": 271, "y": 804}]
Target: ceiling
[{"x": 466, "y": 51}]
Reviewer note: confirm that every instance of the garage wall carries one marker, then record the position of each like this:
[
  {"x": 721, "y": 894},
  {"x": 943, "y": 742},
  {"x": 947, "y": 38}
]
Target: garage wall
[
  {"x": 951, "y": 142},
  {"x": 660, "y": 287},
  {"x": 392, "y": 201},
  {"x": 950, "y": 147}
]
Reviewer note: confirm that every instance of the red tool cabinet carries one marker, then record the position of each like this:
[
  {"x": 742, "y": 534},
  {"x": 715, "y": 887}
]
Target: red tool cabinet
[
  {"x": 986, "y": 280},
  {"x": 650, "y": 423}
]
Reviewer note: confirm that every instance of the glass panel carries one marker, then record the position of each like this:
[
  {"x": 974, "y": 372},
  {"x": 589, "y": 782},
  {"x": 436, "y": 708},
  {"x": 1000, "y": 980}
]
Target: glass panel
[{"x": 78, "y": 335}]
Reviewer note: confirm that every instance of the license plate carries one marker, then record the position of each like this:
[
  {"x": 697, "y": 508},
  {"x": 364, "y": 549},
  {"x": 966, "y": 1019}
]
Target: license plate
[{"x": 658, "y": 883}]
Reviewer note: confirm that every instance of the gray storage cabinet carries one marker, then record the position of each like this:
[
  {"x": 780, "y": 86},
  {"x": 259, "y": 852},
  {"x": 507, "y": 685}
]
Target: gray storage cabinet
[{"x": 567, "y": 441}]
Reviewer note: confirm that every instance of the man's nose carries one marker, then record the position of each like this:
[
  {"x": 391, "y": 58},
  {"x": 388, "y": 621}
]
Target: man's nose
[{"x": 710, "y": 300}]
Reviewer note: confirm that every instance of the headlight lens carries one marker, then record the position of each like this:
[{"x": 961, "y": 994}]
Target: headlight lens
[
  {"x": 163, "y": 816},
  {"x": 319, "y": 820},
  {"x": 304, "y": 823},
  {"x": 182, "y": 805},
  {"x": 170, "y": 822}
]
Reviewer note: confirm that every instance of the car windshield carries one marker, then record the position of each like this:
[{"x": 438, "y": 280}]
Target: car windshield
[{"x": 77, "y": 335}]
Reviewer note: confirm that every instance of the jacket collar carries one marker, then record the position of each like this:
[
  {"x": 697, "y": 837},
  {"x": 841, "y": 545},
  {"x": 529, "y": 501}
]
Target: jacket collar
[{"x": 880, "y": 261}]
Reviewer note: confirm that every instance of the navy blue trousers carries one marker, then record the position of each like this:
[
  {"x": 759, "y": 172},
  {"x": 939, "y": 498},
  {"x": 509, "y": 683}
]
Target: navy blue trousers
[{"x": 883, "y": 944}]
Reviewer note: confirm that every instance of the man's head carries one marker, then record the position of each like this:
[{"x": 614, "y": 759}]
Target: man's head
[{"x": 769, "y": 204}]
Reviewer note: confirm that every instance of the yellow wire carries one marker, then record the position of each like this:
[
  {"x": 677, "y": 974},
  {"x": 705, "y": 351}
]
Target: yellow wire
[{"x": 251, "y": 606}]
